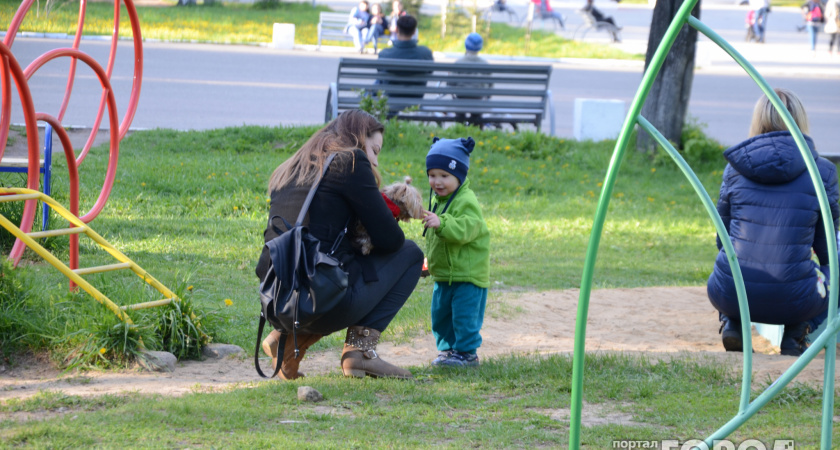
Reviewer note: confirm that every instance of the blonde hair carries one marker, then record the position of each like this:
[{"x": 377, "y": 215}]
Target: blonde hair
[
  {"x": 347, "y": 132},
  {"x": 766, "y": 119}
]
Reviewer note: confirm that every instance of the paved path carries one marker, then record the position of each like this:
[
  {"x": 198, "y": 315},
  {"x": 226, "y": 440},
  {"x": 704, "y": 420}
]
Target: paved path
[{"x": 203, "y": 86}]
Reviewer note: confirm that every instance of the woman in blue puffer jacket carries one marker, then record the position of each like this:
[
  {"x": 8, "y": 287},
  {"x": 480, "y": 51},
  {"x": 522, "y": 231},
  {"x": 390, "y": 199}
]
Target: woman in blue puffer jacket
[{"x": 770, "y": 209}]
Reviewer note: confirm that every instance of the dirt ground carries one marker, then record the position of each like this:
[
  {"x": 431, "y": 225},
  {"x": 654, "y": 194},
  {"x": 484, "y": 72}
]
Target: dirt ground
[{"x": 657, "y": 322}]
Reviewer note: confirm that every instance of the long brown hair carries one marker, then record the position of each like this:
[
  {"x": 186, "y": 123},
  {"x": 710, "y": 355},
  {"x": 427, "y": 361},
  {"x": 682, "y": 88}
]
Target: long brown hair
[
  {"x": 347, "y": 132},
  {"x": 766, "y": 119}
]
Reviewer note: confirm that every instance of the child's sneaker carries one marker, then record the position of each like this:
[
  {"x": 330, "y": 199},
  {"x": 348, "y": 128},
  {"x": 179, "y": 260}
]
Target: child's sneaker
[
  {"x": 441, "y": 357},
  {"x": 460, "y": 359}
]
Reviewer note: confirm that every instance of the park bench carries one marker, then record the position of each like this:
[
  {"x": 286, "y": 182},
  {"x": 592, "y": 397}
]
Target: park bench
[
  {"x": 497, "y": 94},
  {"x": 331, "y": 28},
  {"x": 589, "y": 23}
]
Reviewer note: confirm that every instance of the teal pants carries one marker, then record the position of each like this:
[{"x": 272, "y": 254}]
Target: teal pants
[{"x": 457, "y": 316}]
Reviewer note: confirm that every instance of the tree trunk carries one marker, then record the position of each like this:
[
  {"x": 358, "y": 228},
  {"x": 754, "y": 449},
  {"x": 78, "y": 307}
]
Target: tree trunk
[{"x": 667, "y": 104}]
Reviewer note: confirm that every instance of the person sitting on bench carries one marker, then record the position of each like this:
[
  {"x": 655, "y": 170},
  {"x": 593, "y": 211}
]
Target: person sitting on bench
[
  {"x": 600, "y": 17},
  {"x": 546, "y": 12},
  {"x": 357, "y": 25},
  {"x": 405, "y": 47}
]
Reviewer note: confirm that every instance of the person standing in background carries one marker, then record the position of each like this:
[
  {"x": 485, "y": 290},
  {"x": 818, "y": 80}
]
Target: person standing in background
[
  {"x": 760, "y": 8},
  {"x": 813, "y": 11},
  {"x": 832, "y": 25}
]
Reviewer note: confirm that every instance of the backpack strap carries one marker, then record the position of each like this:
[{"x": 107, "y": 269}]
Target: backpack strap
[
  {"x": 305, "y": 208},
  {"x": 280, "y": 347}
]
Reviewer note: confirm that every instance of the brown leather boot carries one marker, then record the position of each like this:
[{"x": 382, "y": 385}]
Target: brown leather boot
[
  {"x": 359, "y": 357},
  {"x": 289, "y": 367}
]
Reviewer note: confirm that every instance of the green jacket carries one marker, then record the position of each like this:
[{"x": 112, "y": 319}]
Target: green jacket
[{"x": 459, "y": 250}]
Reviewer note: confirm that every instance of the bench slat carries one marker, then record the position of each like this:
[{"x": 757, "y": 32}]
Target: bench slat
[
  {"x": 9, "y": 161},
  {"x": 442, "y": 90},
  {"x": 440, "y": 77}
]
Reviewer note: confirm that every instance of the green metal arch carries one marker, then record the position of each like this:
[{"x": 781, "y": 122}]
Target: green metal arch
[{"x": 829, "y": 336}]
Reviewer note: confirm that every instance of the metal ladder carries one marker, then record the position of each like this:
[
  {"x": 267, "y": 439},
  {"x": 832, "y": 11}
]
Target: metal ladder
[{"x": 75, "y": 275}]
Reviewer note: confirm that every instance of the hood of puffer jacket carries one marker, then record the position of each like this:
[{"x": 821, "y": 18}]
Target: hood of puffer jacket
[{"x": 770, "y": 158}]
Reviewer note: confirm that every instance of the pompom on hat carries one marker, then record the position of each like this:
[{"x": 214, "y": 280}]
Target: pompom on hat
[
  {"x": 474, "y": 42},
  {"x": 451, "y": 155}
]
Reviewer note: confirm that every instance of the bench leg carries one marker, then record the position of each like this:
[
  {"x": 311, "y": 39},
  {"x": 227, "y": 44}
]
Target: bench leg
[{"x": 45, "y": 219}]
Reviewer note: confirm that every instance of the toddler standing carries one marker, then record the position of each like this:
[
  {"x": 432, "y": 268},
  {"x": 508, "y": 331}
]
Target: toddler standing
[{"x": 458, "y": 251}]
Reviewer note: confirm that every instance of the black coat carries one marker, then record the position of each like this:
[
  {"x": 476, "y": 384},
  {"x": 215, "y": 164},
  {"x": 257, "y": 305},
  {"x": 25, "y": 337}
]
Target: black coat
[{"x": 347, "y": 193}]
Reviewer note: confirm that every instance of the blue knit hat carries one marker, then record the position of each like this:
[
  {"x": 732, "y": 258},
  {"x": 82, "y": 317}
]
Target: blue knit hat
[
  {"x": 474, "y": 42},
  {"x": 451, "y": 155}
]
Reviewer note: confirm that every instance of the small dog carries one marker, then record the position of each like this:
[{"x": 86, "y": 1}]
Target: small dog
[{"x": 408, "y": 200}]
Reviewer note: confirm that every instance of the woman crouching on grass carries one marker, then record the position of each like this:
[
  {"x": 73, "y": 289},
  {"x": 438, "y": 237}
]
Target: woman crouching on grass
[
  {"x": 380, "y": 282},
  {"x": 770, "y": 209}
]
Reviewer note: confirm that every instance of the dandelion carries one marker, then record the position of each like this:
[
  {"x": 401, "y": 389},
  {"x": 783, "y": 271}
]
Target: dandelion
[
  {"x": 102, "y": 351},
  {"x": 203, "y": 192},
  {"x": 268, "y": 200},
  {"x": 565, "y": 166},
  {"x": 235, "y": 208},
  {"x": 484, "y": 170},
  {"x": 431, "y": 135},
  {"x": 620, "y": 194},
  {"x": 673, "y": 202},
  {"x": 400, "y": 135},
  {"x": 190, "y": 287},
  {"x": 143, "y": 184},
  {"x": 228, "y": 302},
  {"x": 507, "y": 147},
  {"x": 653, "y": 170},
  {"x": 480, "y": 143},
  {"x": 650, "y": 199},
  {"x": 496, "y": 181},
  {"x": 600, "y": 184},
  {"x": 590, "y": 193},
  {"x": 542, "y": 166},
  {"x": 495, "y": 137}
]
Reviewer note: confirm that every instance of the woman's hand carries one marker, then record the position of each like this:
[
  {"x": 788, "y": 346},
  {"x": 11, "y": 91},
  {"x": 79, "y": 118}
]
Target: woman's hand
[{"x": 430, "y": 220}]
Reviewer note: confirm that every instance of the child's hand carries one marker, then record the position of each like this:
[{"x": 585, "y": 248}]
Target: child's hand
[{"x": 430, "y": 220}]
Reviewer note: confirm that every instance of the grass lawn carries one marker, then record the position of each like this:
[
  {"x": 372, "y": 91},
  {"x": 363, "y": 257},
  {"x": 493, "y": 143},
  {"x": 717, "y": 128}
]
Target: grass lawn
[
  {"x": 190, "y": 208},
  {"x": 252, "y": 24}
]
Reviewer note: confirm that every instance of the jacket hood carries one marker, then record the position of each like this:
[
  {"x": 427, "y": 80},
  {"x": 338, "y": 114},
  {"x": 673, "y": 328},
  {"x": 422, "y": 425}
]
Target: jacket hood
[{"x": 770, "y": 158}]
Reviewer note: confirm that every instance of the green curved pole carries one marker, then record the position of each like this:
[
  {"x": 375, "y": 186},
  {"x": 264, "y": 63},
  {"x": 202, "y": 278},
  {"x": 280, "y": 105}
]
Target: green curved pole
[
  {"x": 600, "y": 214},
  {"x": 729, "y": 250},
  {"x": 824, "y": 340}
]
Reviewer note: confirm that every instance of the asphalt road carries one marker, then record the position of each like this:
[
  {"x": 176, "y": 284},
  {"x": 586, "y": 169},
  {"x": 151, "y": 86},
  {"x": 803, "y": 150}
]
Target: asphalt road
[{"x": 205, "y": 86}]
